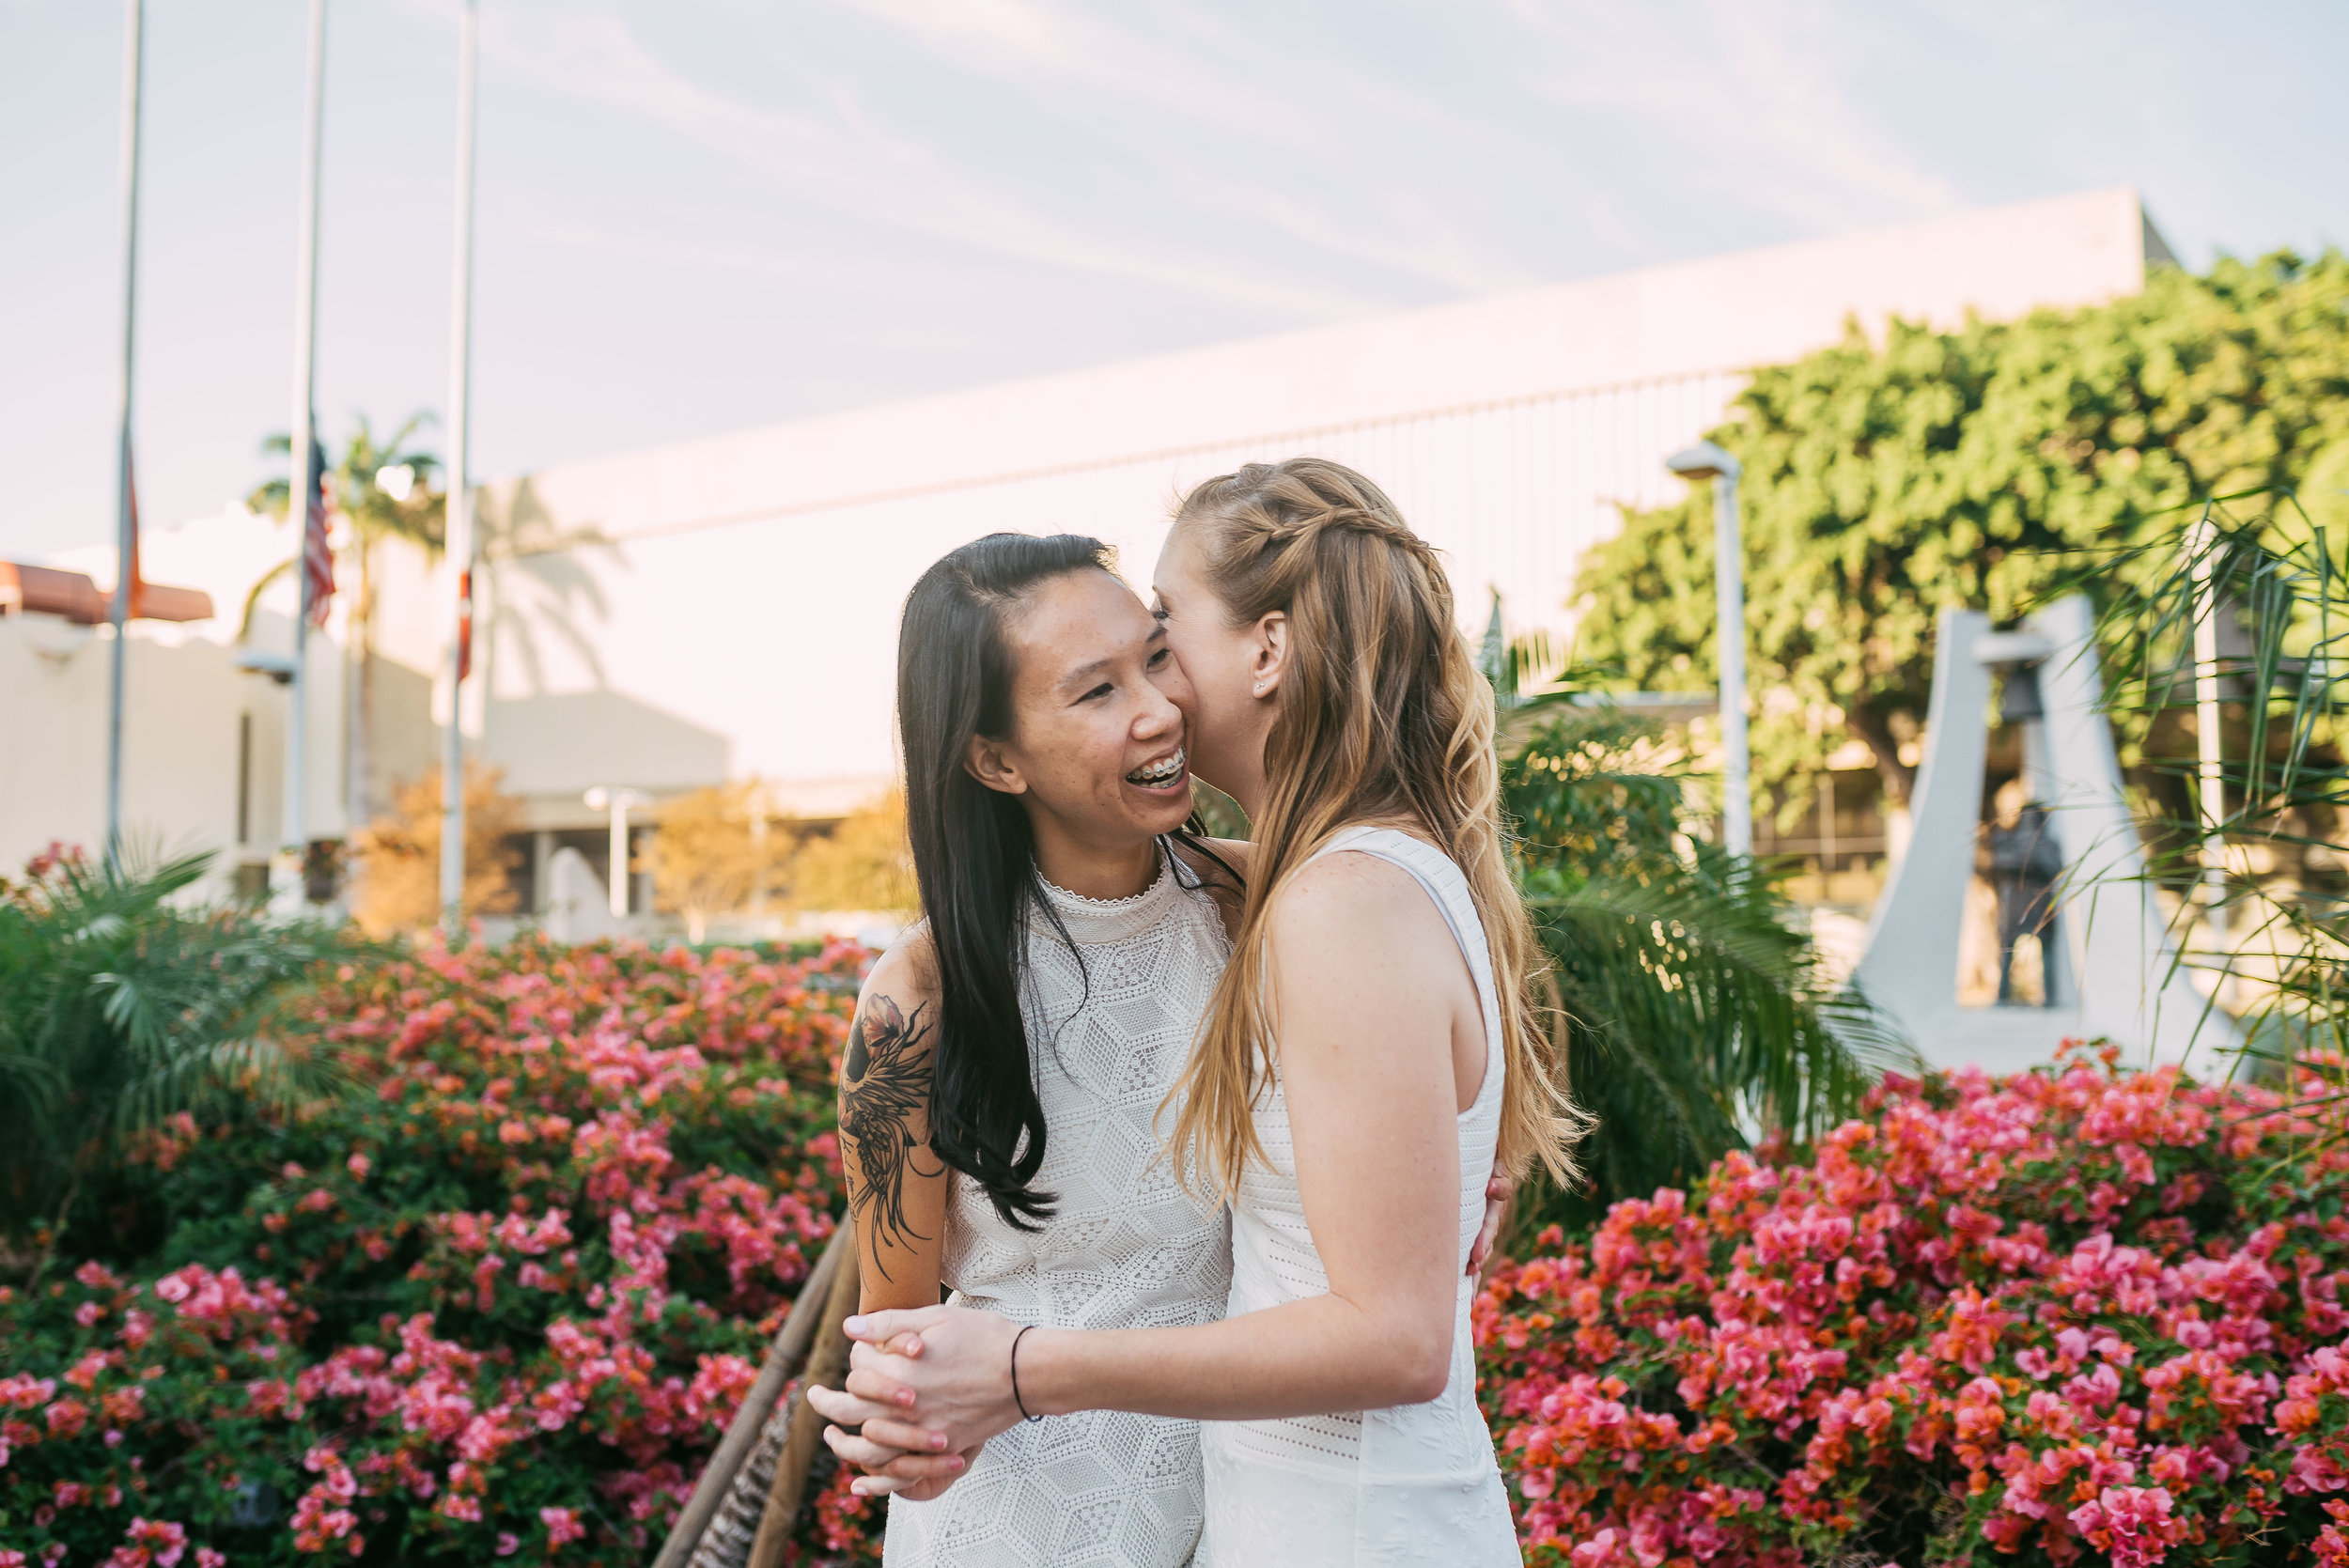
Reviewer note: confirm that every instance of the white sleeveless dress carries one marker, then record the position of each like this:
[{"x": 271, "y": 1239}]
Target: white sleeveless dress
[
  {"x": 1127, "y": 1248},
  {"x": 1414, "y": 1483}
]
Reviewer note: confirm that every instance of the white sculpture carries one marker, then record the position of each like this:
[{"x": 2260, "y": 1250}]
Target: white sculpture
[
  {"x": 578, "y": 906},
  {"x": 2110, "y": 970}
]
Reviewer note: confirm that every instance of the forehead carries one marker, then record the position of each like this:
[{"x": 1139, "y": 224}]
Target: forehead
[
  {"x": 1074, "y": 622},
  {"x": 1178, "y": 557}
]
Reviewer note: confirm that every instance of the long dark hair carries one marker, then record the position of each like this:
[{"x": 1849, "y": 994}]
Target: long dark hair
[{"x": 974, "y": 854}]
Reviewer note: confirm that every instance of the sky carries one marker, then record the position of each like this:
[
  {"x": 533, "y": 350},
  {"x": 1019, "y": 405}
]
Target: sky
[{"x": 702, "y": 215}]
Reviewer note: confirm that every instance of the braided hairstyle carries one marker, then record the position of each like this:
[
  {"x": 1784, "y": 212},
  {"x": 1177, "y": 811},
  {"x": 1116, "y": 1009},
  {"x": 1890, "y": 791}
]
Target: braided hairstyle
[{"x": 1384, "y": 718}]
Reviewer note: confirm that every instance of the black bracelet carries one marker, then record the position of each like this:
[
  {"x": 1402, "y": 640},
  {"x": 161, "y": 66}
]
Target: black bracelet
[{"x": 1014, "y": 1377}]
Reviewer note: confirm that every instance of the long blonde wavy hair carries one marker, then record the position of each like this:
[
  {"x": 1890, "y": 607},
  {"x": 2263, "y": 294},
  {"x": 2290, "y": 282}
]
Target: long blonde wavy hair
[{"x": 1383, "y": 718}]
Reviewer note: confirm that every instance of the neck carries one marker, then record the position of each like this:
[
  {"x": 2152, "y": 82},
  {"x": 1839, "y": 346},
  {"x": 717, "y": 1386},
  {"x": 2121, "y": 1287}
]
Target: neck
[
  {"x": 1249, "y": 793},
  {"x": 1247, "y": 784},
  {"x": 1091, "y": 869}
]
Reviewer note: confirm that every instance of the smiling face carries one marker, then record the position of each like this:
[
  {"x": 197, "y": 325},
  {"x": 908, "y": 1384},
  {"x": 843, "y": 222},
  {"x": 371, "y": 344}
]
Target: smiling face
[
  {"x": 1095, "y": 750},
  {"x": 1234, "y": 669}
]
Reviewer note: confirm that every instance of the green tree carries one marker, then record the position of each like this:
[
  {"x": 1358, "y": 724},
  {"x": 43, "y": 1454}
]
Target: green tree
[
  {"x": 364, "y": 486},
  {"x": 1886, "y": 481}
]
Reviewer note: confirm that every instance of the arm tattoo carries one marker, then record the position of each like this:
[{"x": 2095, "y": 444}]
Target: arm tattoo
[{"x": 884, "y": 1085}]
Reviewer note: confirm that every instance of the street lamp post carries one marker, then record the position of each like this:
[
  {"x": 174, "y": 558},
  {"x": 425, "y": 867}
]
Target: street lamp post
[
  {"x": 1705, "y": 460},
  {"x": 2211, "y": 777},
  {"x": 617, "y": 801}
]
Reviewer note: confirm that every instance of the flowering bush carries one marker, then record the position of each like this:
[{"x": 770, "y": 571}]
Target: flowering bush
[
  {"x": 498, "y": 1300},
  {"x": 2073, "y": 1316}
]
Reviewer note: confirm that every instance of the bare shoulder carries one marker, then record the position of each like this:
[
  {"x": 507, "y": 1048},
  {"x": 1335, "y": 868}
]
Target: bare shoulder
[
  {"x": 1237, "y": 852},
  {"x": 1369, "y": 910},
  {"x": 1220, "y": 866},
  {"x": 895, "y": 1011},
  {"x": 907, "y": 970}
]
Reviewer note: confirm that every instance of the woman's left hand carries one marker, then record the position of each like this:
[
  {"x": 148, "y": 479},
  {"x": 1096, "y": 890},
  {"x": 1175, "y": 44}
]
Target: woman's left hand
[{"x": 953, "y": 1361}]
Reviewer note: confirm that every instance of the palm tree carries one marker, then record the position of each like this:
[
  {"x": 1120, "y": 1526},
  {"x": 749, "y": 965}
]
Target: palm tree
[
  {"x": 120, "y": 1007},
  {"x": 383, "y": 489},
  {"x": 1698, "y": 1012},
  {"x": 2278, "y": 581}
]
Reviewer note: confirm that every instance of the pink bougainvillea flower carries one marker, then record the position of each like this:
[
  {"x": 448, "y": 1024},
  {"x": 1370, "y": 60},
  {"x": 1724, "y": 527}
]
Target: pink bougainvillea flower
[
  {"x": 1981, "y": 1294},
  {"x": 563, "y": 1526}
]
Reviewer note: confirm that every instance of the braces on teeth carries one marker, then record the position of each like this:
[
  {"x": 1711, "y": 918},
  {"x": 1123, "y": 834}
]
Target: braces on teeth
[{"x": 1159, "y": 772}]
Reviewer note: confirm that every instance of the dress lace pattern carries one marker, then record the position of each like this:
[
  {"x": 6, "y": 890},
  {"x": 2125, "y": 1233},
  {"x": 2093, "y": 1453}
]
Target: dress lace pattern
[
  {"x": 1415, "y": 1484},
  {"x": 1125, "y": 1249}
]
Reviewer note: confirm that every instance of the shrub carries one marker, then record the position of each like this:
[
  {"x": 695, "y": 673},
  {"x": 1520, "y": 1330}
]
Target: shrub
[
  {"x": 2073, "y": 1316},
  {"x": 499, "y": 1299},
  {"x": 121, "y": 1003}
]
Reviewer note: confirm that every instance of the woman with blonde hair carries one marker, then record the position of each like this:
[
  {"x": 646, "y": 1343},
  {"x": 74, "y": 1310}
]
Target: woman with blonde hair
[{"x": 1368, "y": 1052}]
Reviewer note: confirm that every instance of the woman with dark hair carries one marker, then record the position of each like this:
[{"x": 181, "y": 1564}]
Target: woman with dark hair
[{"x": 1000, "y": 1091}]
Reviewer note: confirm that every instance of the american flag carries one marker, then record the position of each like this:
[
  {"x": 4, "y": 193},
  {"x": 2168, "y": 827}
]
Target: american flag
[
  {"x": 317, "y": 557},
  {"x": 464, "y": 625},
  {"x": 131, "y": 605}
]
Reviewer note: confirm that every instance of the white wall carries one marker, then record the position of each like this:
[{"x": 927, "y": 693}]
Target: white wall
[
  {"x": 671, "y": 617},
  {"x": 181, "y": 772},
  {"x": 183, "y": 696},
  {"x": 740, "y": 594}
]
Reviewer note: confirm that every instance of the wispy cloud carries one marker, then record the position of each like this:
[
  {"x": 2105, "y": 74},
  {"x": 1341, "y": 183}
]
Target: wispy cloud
[
  {"x": 831, "y": 273},
  {"x": 1040, "y": 39},
  {"x": 1748, "y": 81},
  {"x": 850, "y": 163},
  {"x": 1415, "y": 241},
  {"x": 1208, "y": 85}
]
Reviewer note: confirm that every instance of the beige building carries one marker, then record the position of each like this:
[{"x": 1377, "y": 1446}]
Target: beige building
[{"x": 668, "y": 618}]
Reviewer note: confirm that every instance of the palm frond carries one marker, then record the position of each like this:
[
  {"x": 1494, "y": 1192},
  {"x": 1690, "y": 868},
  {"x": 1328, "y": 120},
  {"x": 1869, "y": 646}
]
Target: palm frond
[
  {"x": 2278, "y": 587},
  {"x": 253, "y": 597},
  {"x": 124, "y": 1003},
  {"x": 1698, "y": 1013}
]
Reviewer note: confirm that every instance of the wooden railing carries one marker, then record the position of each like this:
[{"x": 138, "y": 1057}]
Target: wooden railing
[{"x": 748, "y": 1498}]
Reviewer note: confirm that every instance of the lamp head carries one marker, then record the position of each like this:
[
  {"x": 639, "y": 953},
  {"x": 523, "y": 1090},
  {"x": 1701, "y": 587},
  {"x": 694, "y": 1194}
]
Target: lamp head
[
  {"x": 605, "y": 797},
  {"x": 279, "y": 667},
  {"x": 1704, "y": 460}
]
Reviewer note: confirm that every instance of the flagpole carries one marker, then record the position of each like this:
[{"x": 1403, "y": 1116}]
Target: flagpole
[
  {"x": 291, "y": 893},
  {"x": 126, "y": 510},
  {"x": 460, "y": 550}
]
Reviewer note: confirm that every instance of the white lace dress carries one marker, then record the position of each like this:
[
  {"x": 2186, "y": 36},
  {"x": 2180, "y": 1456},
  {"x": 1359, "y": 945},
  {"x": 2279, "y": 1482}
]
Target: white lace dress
[
  {"x": 1414, "y": 1483},
  {"x": 1126, "y": 1247}
]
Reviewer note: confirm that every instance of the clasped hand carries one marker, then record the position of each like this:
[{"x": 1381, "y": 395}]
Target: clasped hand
[{"x": 926, "y": 1390}]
